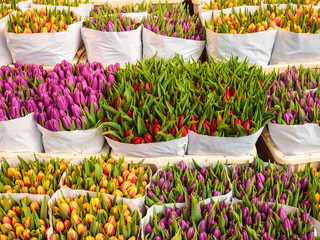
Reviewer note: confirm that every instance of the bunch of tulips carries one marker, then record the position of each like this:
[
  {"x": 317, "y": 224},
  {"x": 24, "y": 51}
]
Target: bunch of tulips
[
  {"x": 41, "y": 21},
  {"x": 99, "y": 218},
  {"x": 107, "y": 175},
  {"x": 35, "y": 177},
  {"x": 178, "y": 182}
]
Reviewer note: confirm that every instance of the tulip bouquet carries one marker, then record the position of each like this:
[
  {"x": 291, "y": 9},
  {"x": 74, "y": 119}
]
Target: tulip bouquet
[
  {"x": 23, "y": 217},
  {"x": 220, "y": 220},
  {"x": 89, "y": 217},
  {"x": 223, "y": 4},
  {"x": 295, "y": 80},
  {"x": 35, "y": 177},
  {"x": 176, "y": 183},
  {"x": 298, "y": 20},
  {"x": 113, "y": 23},
  {"x": 295, "y": 23},
  {"x": 108, "y": 9},
  {"x": 177, "y": 28},
  {"x": 226, "y": 30},
  {"x": 295, "y": 109},
  {"x": 296, "y": 118},
  {"x": 107, "y": 175},
  {"x": 71, "y": 100},
  {"x": 258, "y": 181},
  {"x": 18, "y": 102},
  {"x": 239, "y": 23},
  {"x": 4, "y": 11},
  {"x": 43, "y": 21},
  {"x": 139, "y": 112},
  {"x": 225, "y": 106},
  {"x": 17, "y": 97},
  {"x": 174, "y": 22},
  {"x": 226, "y": 109},
  {"x": 71, "y": 96},
  {"x": 68, "y": 3}
]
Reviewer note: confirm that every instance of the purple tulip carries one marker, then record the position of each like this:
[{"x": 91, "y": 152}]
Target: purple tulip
[
  {"x": 31, "y": 105},
  {"x": 169, "y": 176},
  {"x": 217, "y": 233},
  {"x": 161, "y": 182},
  {"x": 303, "y": 183},
  {"x": 162, "y": 198},
  {"x": 62, "y": 103},
  {"x": 202, "y": 226},
  {"x": 52, "y": 125},
  {"x": 14, "y": 112},
  {"x": 286, "y": 224},
  {"x": 152, "y": 185},
  {"x": 76, "y": 110},
  {"x": 150, "y": 194},
  {"x": 245, "y": 235},
  {"x": 183, "y": 224},
  {"x": 190, "y": 233},
  {"x": 248, "y": 221},
  {"x": 245, "y": 212},
  {"x": 66, "y": 121},
  {"x": 203, "y": 236},
  {"x": 182, "y": 165},
  {"x": 148, "y": 229}
]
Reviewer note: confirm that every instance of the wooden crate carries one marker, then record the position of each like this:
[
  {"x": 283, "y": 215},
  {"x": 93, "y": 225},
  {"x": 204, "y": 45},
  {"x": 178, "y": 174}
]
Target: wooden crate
[
  {"x": 298, "y": 162},
  {"x": 196, "y": 4},
  {"x": 161, "y": 162},
  {"x": 67, "y": 156}
]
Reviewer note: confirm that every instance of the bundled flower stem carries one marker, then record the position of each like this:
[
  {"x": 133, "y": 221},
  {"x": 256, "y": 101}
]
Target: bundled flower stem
[
  {"x": 295, "y": 80},
  {"x": 107, "y": 175},
  {"x": 68, "y": 3},
  {"x": 177, "y": 183},
  {"x": 108, "y": 9},
  {"x": 4, "y": 11},
  {"x": 43, "y": 21},
  {"x": 35, "y": 177},
  {"x": 219, "y": 220},
  {"x": 113, "y": 23},
  {"x": 23, "y": 219},
  {"x": 239, "y": 23},
  {"x": 299, "y": 20},
  {"x": 223, "y": 4},
  {"x": 257, "y": 182},
  {"x": 86, "y": 217}
]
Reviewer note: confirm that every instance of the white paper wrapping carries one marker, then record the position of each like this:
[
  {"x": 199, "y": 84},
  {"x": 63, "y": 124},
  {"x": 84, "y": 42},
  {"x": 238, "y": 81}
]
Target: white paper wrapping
[
  {"x": 83, "y": 9},
  {"x": 296, "y": 139},
  {"x": 44, "y": 48},
  {"x": 256, "y": 47},
  {"x": 5, "y": 57},
  {"x": 167, "y": 148},
  {"x": 20, "y": 135},
  {"x": 113, "y": 47},
  {"x": 139, "y": 202},
  {"x": 293, "y": 47},
  {"x": 72, "y": 193},
  {"x": 24, "y": 5},
  {"x": 203, "y": 144},
  {"x": 167, "y": 47},
  {"x": 78, "y": 141},
  {"x": 226, "y": 197}
]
